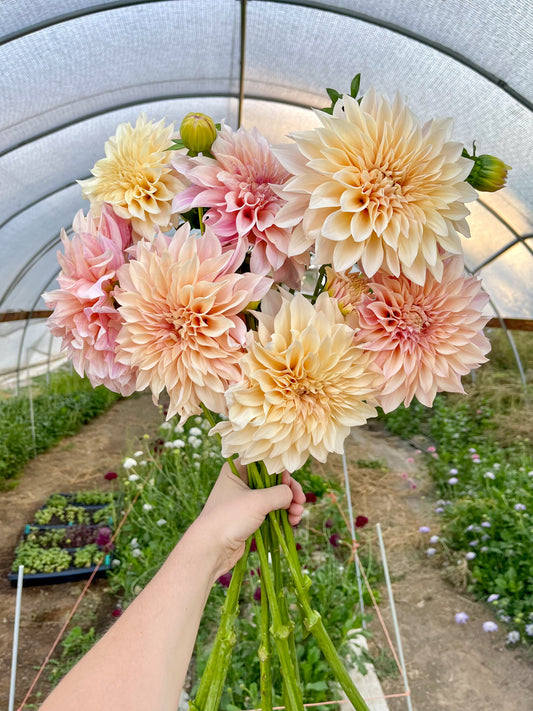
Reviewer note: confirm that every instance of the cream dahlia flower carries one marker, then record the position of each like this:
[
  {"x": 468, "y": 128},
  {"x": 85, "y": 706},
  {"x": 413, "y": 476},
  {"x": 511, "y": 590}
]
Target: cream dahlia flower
[
  {"x": 182, "y": 329},
  {"x": 85, "y": 315},
  {"x": 348, "y": 289},
  {"x": 424, "y": 338},
  {"x": 305, "y": 385},
  {"x": 374, "y": 187},
  {"x": 235, "y": 187},
  {"x": 136, "y": 176}
]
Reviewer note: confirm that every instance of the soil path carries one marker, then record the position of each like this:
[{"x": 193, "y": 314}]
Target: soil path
[
  {"x": 450, "y": 667},
  {"x": 75, "y": 464}
]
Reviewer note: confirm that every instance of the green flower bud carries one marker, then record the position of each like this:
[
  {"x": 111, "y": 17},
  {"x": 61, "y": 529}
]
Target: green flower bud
[
  {"x": 488, "y": 174},
  {"x": 198, "y": 132}
]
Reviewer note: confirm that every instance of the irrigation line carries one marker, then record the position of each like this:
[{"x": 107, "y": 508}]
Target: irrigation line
[
  {"x": 393, "y": 613},
  {"x": 354, "y": 540},
  {"x": 12, "y": 683}
]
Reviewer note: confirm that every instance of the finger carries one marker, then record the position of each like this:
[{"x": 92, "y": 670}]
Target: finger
[
  {"x": 272, "y": 498},
  {"x": 297, "y": 491},
  {"x": 296, "y": 509},
  {"x": 230, "y": 474}
]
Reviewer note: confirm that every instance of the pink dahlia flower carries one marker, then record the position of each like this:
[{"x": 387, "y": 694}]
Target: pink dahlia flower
[
  {"x": 85, "y": 317},
  {"x": 236, "y": 187},
  {"x": 181, "y": 325},
  {"x": 424, "y": 337}
]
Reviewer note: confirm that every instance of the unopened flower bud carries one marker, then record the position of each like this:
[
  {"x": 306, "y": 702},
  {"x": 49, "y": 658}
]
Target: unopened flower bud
[
  {"x": 198, "y": 132},
  {"x": 488, "y": 174}
]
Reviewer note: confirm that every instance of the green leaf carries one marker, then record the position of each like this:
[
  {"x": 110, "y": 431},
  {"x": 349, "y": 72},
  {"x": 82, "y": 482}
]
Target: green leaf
[
  {"x": 328, "y": 110},
  {"x": 354, "y": 86},
  {"x": 316, "y": 686},
  {"x": 333, "y": 95}
]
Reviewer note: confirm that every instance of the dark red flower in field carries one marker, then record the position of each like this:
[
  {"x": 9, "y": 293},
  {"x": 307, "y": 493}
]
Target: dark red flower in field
[
  {"x": 361, "y": 521},
  {"x": 116, "y": 612},
  {"x": 253, "y": 547},
  {"x": 103, "y": 537},
  {"x": 329, "y": 523},
  {"x": 298, "y": 546},
  {"x": 110, "y": 476},
  {"x": 335, "y": 540},
  {"x": 257, "y": 594},
  {"x": 310, "y": 497},
  {"x": 225, "y": 579}
]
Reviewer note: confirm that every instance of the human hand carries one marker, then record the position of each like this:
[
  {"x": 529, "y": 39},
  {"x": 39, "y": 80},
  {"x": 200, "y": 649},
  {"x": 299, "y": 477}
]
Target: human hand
[{"x": 233, "y": 512}]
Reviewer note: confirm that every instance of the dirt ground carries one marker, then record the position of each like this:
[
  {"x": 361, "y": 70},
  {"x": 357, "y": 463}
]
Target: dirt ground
[{"x": 449, "y": 667}]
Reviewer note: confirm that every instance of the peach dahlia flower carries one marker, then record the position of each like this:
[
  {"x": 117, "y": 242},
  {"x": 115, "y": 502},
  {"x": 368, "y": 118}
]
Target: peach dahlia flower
[
  {"x": 374, "y": 187},
  {"x": 181, "y": 325},
  {"x": 424, "y": 338},
  {"x": 236, "y": 188},
  {"x": 305, "y": 385},
  {"x": 85, "y": 315},
  {"x": 136, "y": 176}
]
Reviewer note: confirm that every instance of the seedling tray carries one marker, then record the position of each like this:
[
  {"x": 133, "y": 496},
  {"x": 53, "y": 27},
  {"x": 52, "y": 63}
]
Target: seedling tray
[{"x": 71, "y": 575}]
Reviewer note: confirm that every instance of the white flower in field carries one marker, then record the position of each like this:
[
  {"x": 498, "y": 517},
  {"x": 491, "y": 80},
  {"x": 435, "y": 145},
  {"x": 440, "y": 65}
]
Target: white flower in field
[
  {"x": 485, "y": 524},
  {"x": 178, "y": 443},
  {"x": 453, "y": 480},
  {"x": 169, "y": 444},
  {"x": 136, "y": 552},
  {"x": 179, "y": 429},
  {"x": 489, "y": 475},
  {"x": 134, "y": 543},
  {"x": 484, "y": 549},
  {"x": 161, "y": 522},
  {"x": 431, "y": 551},
  {"x": 195, "y": 431},
  {"x": 454, "y": 471},
  {"x": 196, "y": 456},
  {"x": 165, "y": 426},
  {"x": 519, "y": 507},
  {"x": 497, "y": 465},
  {"x": 529, "y": 630},
  {"x": 115, "y": 563},
  {"x": 137, "y": 589},
  {"x": 194, "y": 442},
  {"x": 470, "y": 555},
  {"x": 205, "y": 425},
  {"x": 143, "y": 463},
  {"x": 138, "y": 453},
  {"x": 133, "y": 477},
  {"x": 197, "y": 465},
  {"x": 513, "y": 636},
  {"x": 439, "y": 510},
  {"x": 493, "y": 597},
  {"x": 472, "y": 450},
  {"x": 530, "y": 473},
  {"x": 434, "y": 539},
  {"x": 147, "y": 507},
  {"x": 490, "y": 626},
  {"x": 129, "y": 462}
]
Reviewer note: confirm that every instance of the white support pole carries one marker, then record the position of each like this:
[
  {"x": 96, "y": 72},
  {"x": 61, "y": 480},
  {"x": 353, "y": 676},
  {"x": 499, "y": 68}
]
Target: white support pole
[
  {"x": 16, "y": 639},
  {"x": 393, "y": 614},
  {"x": 352, "y": 531}
]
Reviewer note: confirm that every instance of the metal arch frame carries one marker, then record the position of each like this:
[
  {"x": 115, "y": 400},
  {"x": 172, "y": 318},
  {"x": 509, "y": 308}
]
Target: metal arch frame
[{"x": 343, "y": 12}]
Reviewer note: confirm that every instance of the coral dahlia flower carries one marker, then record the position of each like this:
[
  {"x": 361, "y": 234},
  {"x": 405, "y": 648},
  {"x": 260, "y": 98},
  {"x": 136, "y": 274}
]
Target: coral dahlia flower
[
  {"x": 236, "y": 187},
  {"x": 182, "y": 329},
  {"x": 85, "y": 315},
  {"x": 424, "y": 338},
  {"x": 305, "y": 385},
  {"x": 136, "y": 176},
  {"x": 374, "y": 187}
]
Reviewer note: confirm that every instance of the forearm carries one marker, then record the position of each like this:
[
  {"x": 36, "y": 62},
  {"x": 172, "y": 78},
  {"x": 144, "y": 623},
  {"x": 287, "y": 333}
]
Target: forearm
[{"x": 142, "y": 661}]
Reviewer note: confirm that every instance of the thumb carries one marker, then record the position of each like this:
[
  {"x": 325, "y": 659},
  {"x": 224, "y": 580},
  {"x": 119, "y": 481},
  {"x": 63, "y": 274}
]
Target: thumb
[{"x": 272, "y": 498}]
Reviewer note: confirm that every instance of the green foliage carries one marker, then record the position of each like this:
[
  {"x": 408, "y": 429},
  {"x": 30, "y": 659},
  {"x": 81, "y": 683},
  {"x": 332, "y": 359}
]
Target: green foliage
[
  {"x": 59, "y": 409},
  {"x": 486, "y": 504},
  {"x": 74, "y": 646},
  {"x": 40, "y": 560}
]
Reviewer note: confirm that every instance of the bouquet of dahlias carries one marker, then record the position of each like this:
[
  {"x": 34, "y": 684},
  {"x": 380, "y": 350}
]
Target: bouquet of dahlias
[{"x": 187, "y": 272}]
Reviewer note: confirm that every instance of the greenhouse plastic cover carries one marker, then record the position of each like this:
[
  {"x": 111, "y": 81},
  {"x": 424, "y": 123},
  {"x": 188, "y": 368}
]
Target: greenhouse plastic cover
[{"x": 72, "y": 70}]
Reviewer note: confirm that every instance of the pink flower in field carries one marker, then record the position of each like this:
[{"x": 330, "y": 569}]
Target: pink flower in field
[
  {"x": 85, "y": 316},
  {"x": 235, "y": 186},
  {"x": 424, "y": 338},
  {"x": 182, "y": 327}
]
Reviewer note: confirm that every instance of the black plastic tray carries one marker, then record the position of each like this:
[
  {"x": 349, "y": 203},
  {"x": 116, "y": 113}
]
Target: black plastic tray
[{"x": 71, "y": 575}]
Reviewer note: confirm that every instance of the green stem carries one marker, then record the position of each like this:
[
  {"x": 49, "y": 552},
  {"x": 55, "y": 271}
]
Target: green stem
[
  {"x": 280, "y": 632},
  {"x": 319, "y": 283},
  {"x": 265, "y": 654},
  {"x": 212, "y": 683},
  {"x": 201, "y": 221}
]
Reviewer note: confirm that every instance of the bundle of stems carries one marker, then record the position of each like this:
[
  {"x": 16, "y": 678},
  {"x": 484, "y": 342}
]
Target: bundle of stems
[{"x": 274, "y": 538}]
